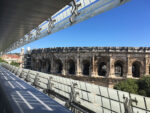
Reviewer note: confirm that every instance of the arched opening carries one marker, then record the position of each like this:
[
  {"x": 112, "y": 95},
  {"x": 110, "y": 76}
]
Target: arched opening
[
  {"x": 71, "y": 67},
  {"x": 36, "y": 65},
  {"x": 33, "y": 64},
  {"x": 43, "y": 65},
  {"x": 136, "y": 69},
  {"x": 39, "y": 65},
  {"x": 86, "y": 67},
  {"x": 59, "y": 66},
  {"x": 119, "y": 68},
  {"x": 48, "y": 66},
  {"x": 102, "y": 69}
]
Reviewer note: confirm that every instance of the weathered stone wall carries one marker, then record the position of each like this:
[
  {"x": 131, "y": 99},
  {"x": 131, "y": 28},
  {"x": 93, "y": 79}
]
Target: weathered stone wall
[{"x": 101, "y": 62}]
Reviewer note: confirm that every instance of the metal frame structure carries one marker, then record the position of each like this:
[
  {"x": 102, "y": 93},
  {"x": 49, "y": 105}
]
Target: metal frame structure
[{"x": 77, "y": 11}]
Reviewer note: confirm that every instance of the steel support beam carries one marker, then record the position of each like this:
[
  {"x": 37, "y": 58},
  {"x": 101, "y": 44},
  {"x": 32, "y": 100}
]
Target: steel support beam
[{"x": 77, "y": 11}]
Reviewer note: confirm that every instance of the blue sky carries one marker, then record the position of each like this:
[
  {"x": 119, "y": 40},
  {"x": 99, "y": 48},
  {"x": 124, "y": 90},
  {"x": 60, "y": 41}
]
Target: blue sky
[{"x": 126, "y": 25}]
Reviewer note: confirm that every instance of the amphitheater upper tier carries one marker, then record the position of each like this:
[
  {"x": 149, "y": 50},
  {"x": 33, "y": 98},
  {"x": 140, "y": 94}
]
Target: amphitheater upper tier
[
  {"x": 94, "y": 49},
  {"x": 105, "y": 62}
]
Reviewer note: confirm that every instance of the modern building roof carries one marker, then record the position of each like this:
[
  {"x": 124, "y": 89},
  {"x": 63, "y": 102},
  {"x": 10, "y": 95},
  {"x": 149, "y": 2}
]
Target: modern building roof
[
  {"x": 18, "y": 17},
  {"x": 12, "y": 56}
]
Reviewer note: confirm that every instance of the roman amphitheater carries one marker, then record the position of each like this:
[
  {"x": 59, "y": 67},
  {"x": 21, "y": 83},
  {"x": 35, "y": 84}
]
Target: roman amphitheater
[{"x": 106, "y": 65}]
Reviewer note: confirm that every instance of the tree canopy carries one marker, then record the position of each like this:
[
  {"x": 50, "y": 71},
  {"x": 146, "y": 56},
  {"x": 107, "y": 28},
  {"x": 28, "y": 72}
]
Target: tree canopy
[
  {"x": 1, "y": 60},
  {"x": 140, "y": 86},
  {"x": 15, "y": 64}
]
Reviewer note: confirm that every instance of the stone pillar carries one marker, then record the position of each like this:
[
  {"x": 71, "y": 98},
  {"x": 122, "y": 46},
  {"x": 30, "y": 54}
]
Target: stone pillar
[
  {"x": 64, "y": 67},
  {"x": 110, "y": 84},
  {"x": 129, "y": 67},
  {"x": 52, "y": 65},
  {"x": 107, "y": 68},
  {"x": 146, "y": 65},
  {"x": 38, "y": 65},
  {"x": 112, "y": 70},
  {"x": 93, "y": 72},
  {"x": 78, "y": 67}
]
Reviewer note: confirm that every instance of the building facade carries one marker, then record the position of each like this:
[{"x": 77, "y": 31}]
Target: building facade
[
  {"x": 12, "y": 58},
  {"x": 100, "y": 62}
]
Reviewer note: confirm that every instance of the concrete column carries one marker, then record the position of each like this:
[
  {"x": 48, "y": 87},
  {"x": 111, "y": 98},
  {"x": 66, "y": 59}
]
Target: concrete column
[
  {"x": 78, "y": 67},
  {"x": 129, "y": 67}
]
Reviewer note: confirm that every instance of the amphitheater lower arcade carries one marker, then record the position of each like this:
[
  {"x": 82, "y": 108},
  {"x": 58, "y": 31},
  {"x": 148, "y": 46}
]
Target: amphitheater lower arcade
[{"x": 102, "y": 62}]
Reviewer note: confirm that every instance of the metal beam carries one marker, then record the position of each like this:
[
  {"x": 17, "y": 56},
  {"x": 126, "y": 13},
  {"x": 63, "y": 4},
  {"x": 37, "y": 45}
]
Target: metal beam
[
  {"x": 19, "y": 17},
  {"x": 77, "y": 11}
]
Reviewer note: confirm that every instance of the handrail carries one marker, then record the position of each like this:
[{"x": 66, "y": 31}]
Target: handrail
[
  {"x": 89, "y": 97},
  {"x": 16, "y": 96}
]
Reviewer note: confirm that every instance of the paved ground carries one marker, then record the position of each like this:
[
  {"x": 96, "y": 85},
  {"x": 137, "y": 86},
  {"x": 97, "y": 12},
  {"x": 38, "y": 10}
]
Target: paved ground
[{"x": 23, "y": 98}]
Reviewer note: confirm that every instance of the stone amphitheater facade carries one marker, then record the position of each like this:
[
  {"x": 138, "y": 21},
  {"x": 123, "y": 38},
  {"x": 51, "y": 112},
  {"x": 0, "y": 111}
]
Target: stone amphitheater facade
[{"x": 109, "y": 63}]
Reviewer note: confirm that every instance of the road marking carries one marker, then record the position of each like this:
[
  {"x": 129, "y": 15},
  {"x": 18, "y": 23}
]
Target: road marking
[
  {"x": 5, "y": 78},
  {"x": 12, "y": 78},
  {"x": 40, "y": 101},
  {"x": 20, "y": 85},
  {"x": 26, "y": 102},
  {"x": 11, "y": 84},
  {"x": 17, "y": 103}
]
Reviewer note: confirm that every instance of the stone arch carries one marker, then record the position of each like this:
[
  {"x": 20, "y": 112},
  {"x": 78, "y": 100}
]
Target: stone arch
[
  {"x": 86, "y": 67},
  {"x": 59, "y": 66},
  {"x": 136, "y": 69},
  {"x": 71, "y": 67},
  {"x": 119, "y": 68},
  {"x": 43, "y": 65},
  {"x": 102, "y": 69}
]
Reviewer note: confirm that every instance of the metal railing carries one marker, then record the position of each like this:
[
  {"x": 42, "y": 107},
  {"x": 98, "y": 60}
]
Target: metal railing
[
  {"x": 86, "y": 97},
  {"x": 16, "y": 96}
]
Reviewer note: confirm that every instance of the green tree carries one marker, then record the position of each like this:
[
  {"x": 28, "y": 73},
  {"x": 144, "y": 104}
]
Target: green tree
[
  {"x": 140, "y": 86},
  {"x": 15, "y": 64},
  {"x": 129, "y": 85},
  {"x": 144, "y": 86},
  {"x": 1, "y": 60}
]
